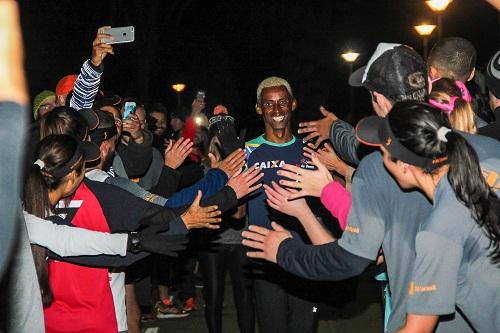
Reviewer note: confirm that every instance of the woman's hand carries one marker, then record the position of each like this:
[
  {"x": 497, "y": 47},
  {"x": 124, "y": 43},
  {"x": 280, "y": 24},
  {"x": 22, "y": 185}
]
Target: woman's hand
[
  {"x": 201, "y": 217},
  {"x": 244, "y": 183},
  {"x": 277, "y": 198},
  {"x": 328, "y": 157},
  {"x": 308, "y": 182}
]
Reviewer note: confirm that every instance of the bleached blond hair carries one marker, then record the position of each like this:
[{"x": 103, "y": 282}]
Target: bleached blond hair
[{"x": 273, "y": 81}]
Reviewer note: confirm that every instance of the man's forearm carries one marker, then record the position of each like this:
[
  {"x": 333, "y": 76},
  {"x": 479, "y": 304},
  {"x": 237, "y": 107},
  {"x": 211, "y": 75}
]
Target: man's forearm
[{"x": 328, "y": 262}]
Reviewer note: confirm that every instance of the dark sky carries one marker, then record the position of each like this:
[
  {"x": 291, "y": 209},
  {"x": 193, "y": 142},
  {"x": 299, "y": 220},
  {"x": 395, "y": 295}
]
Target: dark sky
[{"x": 228, "y": 47}]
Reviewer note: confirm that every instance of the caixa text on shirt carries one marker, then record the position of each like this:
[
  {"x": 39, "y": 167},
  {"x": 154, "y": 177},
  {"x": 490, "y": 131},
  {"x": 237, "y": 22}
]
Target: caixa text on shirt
[{"x": 279, "y": 163}]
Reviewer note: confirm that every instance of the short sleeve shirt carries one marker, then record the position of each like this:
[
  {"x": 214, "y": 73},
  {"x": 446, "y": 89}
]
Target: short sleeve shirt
[
  {"x": 383, "y": 215},
  {"x": 453, "y": 266},
  {"x": 270, "y": 157}
]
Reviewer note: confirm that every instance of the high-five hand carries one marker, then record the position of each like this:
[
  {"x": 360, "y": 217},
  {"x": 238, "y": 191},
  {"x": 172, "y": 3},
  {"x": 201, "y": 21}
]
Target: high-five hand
[
  {"x": 265, "y": 240},
  {"x": 201, "y": 217},
  {"x": 308, "y": 182}
]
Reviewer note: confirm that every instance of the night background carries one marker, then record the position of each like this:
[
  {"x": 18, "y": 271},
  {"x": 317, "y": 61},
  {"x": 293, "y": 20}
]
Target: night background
[{"x": 228, "y": 47}]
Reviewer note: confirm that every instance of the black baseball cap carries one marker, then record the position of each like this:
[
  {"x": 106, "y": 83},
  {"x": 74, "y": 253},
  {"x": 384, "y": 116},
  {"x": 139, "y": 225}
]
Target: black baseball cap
[
  {"x": 90, "y": 117},
  {"x": 393, "y": 70},
  {"x": 86, "y": 151},
  {"x": 492, "y": 75},
  {"x": 376, "y": 131}
]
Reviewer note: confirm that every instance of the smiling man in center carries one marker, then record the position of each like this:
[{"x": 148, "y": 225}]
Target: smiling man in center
[{"x": 280, "y": 298}]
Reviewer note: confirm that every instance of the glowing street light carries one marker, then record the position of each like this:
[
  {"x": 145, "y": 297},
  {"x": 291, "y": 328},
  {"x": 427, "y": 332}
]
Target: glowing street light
[
  {"x": 425, "y": 30},
  {"x": 179, "y": 88},
  {"x": 350, "y": 56},
  {"x": 439, "y": 6}
]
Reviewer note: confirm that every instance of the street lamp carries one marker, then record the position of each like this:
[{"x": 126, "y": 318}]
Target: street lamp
[
  {"x": 179, "y": 88},
  {"x": 350, "y": 57},
  {"x": 425, "y": 30},
  {"x": 439, "y": 6}
]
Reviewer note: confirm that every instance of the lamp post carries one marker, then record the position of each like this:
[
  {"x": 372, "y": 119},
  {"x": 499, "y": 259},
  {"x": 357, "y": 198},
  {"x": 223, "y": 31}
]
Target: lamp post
[
  {"x": 425, "y": 30},
  {"x": 439, "y": 6},
  {"x": 350, "y": 57},
  {"x": 179, "y": 88}
]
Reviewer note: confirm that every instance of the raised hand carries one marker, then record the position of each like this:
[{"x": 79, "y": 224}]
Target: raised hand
[
  {"x": 231, "y": 164},
  {"x": 319, "y": 129},
  {"x": 176, "y": 153},
  {"x": 308, "y": 182},
  {"x": 99, "y": 48},
  {"x": 132, "y": 125},
  {"x": 244, "y": 183},
  {"x": 197, "y": 217},
  {"x": 328, "y": 157},
  {"x": 277, "y": 198},
  {"x": 265, "y": 240}
]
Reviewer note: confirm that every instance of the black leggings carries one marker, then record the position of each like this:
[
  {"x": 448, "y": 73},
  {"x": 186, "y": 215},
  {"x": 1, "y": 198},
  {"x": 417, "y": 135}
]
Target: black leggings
[{"x": 213, "y": 264}]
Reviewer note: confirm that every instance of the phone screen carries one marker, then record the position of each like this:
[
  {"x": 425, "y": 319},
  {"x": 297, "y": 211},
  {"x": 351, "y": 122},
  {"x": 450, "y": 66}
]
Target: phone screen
[{"x": 129, "y": 108}]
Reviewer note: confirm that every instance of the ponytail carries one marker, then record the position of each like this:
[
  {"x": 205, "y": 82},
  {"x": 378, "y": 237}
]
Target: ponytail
[
  {"x": 471, "y": 189},
  {"x": 54, "y": 152},
  {"x": 36, "y": 202},
  {"x": 425, "y": 131}
]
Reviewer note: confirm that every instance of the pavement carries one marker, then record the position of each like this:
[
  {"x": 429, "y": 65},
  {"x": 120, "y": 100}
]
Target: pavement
[{"x": 358, "y": 311}]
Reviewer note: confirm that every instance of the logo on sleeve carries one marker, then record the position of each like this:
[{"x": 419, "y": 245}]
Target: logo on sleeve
[
  {"x": 354, "y": 230},
  {"x": 421, "y": 289},
  {"x": 492, "y": 179}
]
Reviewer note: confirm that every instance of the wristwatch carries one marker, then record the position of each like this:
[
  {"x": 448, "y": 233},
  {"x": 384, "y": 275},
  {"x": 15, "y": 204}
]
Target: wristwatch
[{"x": 134, "y": 241}]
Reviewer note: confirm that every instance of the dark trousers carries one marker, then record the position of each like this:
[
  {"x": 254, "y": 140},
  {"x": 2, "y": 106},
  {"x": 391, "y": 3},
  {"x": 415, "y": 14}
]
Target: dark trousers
[
  {"x": 213, "y": 263},
  {"x": 281, "y": 301}
]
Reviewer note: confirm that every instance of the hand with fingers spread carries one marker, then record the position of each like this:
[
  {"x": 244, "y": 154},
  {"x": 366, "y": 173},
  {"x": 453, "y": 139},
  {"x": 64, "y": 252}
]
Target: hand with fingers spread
[
  {"x": 265, "y": 240},
  {"x": 176, "y": 152},
  {"x": 278, "y": 198},
  {"x": 328, "y": 157},
  {"x": 244, "y": 183},
  {"x": 308, "y": 182},
  {"x": 132, "y": 126},
  {"x": 231, "y": 164},
  {"x": 201, "y": 217},
  {"x": 100, "y": 49},
  {"x": 150, "y": 240},
  {"x": 319, "y": 129}
]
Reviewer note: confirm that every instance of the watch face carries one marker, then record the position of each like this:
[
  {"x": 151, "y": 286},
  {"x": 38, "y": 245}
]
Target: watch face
[{"x": 136, "y": 243}]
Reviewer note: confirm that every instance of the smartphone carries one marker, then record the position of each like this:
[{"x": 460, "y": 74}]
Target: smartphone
[
  {"x": 120, "y": 35},
  {"x": 129, "y": 109},
  {"x": 200, "y": 96}
]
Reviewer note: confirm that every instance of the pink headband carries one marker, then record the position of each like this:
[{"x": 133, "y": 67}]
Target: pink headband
[
  {"x": 448, "y": 107},
  {"x": 445, "y": 107},
  {"x": 463, "y": 89}
]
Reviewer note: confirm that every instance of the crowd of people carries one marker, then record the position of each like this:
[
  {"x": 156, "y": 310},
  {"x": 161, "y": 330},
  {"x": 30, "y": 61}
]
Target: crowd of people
[{"x": 113, "y": 190}]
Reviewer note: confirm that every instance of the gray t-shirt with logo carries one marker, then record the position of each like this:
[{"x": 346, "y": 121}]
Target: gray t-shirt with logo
[
  {"x": 452, "y": 266},
  {"x": 382, "y": 215}
]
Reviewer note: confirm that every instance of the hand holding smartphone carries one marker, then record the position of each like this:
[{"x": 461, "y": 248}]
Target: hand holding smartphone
[
  {"x": 120, "y": 35},
  {"x": 129, "y": 109}
]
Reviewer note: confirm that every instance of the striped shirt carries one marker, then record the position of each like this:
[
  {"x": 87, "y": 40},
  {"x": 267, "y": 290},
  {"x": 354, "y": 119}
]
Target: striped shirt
[{"x": 86, "y": 86}]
